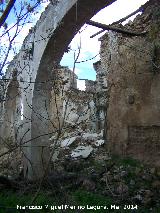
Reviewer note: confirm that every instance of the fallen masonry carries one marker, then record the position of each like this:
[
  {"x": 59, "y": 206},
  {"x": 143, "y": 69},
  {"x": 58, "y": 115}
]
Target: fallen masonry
[
  {"x": 44, "y": 113},
  {"x": 79, "y": 136}
]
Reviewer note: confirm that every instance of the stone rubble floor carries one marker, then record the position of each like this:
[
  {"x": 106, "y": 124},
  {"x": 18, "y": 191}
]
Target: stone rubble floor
[{"x": 82, "y": 173}]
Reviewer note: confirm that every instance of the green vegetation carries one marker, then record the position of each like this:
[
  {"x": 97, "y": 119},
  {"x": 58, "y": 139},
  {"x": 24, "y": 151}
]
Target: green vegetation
[
  {"x": 9, "y": 201},
  {"x": 80, "y": 198},
  {"x": 125, "y": 161},
  {"x": 104, "y": 197}
]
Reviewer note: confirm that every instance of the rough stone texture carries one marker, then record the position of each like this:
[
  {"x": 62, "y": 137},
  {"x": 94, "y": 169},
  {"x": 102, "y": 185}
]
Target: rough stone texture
[
  {"x": 71, "y": 107},
  {"x": 101, "y": 77},
  {"x": 63, "y": 81},
  {"x": 132, "y": 67},
  {"x": 90, "y": 86},
  {"x": 100, "y": 95},
  {"x": 127, "y": 85},
  {"x": 80, "y": 110},
  {"x": 1, "y": 101},
  {"x": 41, "y": 51}
]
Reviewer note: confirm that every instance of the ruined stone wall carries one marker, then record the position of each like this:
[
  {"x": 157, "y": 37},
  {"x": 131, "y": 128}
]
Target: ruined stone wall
[
  {"x": 90, "y": 86},
  {"x": 133, "y": 76},
  {"x": 80, "y": 110},
  {"x": 63, "y": 81},
  {"x": 1, "y": 105},
  {"x": 69, "y": 106},
  {"x": 1, "y": 98},
  {"x": 100, "y": 95},
  {"x": 41, "y": 52},
  {"x": 101, "y": 77}
]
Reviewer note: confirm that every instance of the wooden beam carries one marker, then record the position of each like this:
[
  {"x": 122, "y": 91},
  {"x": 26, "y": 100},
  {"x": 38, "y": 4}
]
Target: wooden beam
[
  {"x": 116, "y": 29},
  {"x": 119, "y": 21},
  {"x": 128, "y": 16}
]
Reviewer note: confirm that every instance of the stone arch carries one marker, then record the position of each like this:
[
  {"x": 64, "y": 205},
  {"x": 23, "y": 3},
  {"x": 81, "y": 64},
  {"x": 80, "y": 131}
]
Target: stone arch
[
  {"x": 73, "y": 15},
  {"x": 12, "y": 112}
]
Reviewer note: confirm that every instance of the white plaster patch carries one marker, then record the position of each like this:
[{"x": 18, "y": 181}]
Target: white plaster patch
[
  {"x": 55, "y": 156},
  {"x": 68, "y": 141},
  {"x": 99, "y": 142},
  {"x": 90, "y": 136},
  {"x": 54, "y": 137},
  {"x": 101, "y": 133},
  {"x": 82, "y": 151}
]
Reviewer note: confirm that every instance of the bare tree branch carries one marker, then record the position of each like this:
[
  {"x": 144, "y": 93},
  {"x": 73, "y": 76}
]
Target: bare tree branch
[{"x": 6, "y": 12}]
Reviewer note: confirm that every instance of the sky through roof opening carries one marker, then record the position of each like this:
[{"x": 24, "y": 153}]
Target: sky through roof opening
[{"x": 89, "y": 47}]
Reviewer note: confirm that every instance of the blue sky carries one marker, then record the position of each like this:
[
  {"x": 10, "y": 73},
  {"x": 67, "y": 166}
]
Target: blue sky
[
  {"x": 24, "y": 28},
  {"x": 20, "y": 8},
  {"x": 84, "y": 69},
  {"x": 89, "y": 46}
]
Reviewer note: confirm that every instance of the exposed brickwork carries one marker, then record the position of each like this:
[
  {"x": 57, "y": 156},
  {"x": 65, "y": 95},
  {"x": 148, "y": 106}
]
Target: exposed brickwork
[{"x": 133, "y": 76}]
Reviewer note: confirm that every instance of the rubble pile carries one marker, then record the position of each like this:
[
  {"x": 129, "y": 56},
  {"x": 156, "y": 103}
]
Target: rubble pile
[
  {"x": 82, "y": 156},
  {"x": 11, "y": 163},
  {"x": 76, "y": 145}
]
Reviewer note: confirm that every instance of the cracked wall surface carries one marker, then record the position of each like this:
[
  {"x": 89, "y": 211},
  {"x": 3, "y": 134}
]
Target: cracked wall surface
[
  {"x": 39, "y": 56},
  {"x": 133, "y": 76},
  {"x": 126, "y": 101}
]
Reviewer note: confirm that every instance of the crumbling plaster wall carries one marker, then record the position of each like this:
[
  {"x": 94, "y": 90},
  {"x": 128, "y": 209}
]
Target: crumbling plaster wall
[
  {"x": 73, "y": 108},
  {"x": 41, "y": 51},
  {"x": 81, "y": 110},
  {"x": 1, "y": 99},
  {"x": 12, "y": 114},
  {"x": 133, "y": 114},
  {"x": 81, "y": 115},
  {"x": 100, "y": 96},
  {"x": 64, "y": 80}
]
